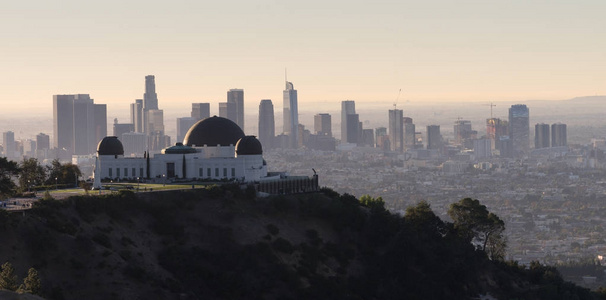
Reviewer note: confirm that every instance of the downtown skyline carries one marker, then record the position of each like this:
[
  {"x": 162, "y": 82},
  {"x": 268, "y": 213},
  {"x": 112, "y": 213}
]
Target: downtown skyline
[{"x": 437, "y": 51}]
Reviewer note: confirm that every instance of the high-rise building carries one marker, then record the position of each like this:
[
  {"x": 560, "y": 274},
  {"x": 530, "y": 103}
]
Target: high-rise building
[
  {"x": 410, "y": 140},
  {"x": 29, "y": 148},
  {"x": 519, "y": 127},
  {"x": 183, "y": 125},
  {"x": 200, "y": 111},
  {"x": 8, "y": 141},
  {"x": 462, "y": 131},
  {"x": 291, "y": 114},
  {"x": 121, "y": 128},
  {"x": 495, "y": 129},
  {"x": 78, "y": 123},
  {"x": 267, "y": 124},
  {"x": 558, "y": 135},
  {"x": 348, "y": 107},
  {"x": 150, "y": 98},
  {"x": 541, "y": 136},
  {"x": 236, "y": 96},
  {"x": 353, "y": 128},
  {"x": 396, "y": 130},
  {"x": 42, "y": 145},
  {"x": 434, "y": 138},
  {"x": 368, "y": 137},
  {"x": 135, "y": 143},
  {"x": 228, "y": 110},
  {"x": 323, "y": 124},
  {"x": 136, "y": 115},
  {"x": 382, "y": 139}
]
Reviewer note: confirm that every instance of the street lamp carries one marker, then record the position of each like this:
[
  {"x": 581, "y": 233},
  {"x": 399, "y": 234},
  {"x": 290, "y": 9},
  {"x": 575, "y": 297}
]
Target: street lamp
[
  {"x": 164, "y": 179},
  {"x": 137, "y": 184},
  {"x": 28, "y": 186},
  {"x": 55, "y": 183}
]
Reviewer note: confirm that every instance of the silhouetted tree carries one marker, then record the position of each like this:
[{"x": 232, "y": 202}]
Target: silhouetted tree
[
  {"x": 64, "y": 173},
  {"x": 31, "y": 174},
  {"x": 8, "y": 169},
  {"x": 31, "y": 283},
  {"x": 8, "y": 279}
]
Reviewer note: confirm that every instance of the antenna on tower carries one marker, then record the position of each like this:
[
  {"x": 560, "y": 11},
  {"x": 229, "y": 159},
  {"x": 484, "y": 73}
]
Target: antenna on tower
[
  {"x": 397, "y": 98},
  {"x": 491, "y": 106},
  {"x": 285, "y": 75}
]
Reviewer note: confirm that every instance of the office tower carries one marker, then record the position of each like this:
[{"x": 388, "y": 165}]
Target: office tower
[
  {"x": 323, "y": 124},
  {"x": 482, "y": 148},
  {"x": 348, "y": 107},
  {"x": 136, "y": 115},
  {"x": 291, "y": 114},
  {"x": 541, "y": 136},
  {"x": 303, "y": 135},
  {"x": 462, "y": 131},
  {"x": 558, "y": 135},
  {"x": 8, "y": 141},
  {"x": 410, "y": 140},
  {"x": 183, "y": 125},
  {"x": 121, "y": 128},
  {"x": 42, "y": 145},
  {"x": 236, "y": 96},
  {"x": 134, "y": 143},
  {"x": 495, "y": 129},
  {"x": 29, "y": 148},
  {"x": 505, "y": 146},
  {"x": 396, "y": 130},
  {"x": 519, "y": 127},
  {"x": 434, "y": 138},
  {"x": 200, "y": 111},
  {"x": 150, "y": 98},
  {"x": 353, "y": 128},
  {"x": 78, "y": 123},
  {"x": 382, "y": 139},
  {"x": 267, "y": 124},
  {"x": 228, "y": 110},
  {"x": 368, "y": 137}
]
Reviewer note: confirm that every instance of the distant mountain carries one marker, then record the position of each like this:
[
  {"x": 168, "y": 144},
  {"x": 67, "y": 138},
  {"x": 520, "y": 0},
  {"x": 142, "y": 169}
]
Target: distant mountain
[
  {"x": 589, "y": 99},
  {"x": 223, "y": 243}
]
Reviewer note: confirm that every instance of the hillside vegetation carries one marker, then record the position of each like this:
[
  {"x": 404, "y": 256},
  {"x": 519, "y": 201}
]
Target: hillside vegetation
[{"x": 223, "y": 243}]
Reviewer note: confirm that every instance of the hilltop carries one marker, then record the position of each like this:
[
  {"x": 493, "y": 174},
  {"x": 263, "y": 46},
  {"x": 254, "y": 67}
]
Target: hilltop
[{"x": 224, "y": 243}]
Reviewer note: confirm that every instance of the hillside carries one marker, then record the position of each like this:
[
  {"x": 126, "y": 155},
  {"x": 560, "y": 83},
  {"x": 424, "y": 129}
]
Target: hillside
[{"x": 222, "y": 243}]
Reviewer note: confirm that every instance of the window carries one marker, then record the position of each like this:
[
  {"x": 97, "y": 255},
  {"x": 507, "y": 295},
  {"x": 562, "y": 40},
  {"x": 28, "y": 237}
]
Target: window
[
  {"x": 208, "y": 174},
  {"x": 233, "y": 172},
  {"x": 125, "y": 172},
  {"x": 134, "y": 171},
  {"x": 118, "y": 172},
  {"x": 224, "y": 172},
  {"x": 110, "y": 173},
  {"x": 140, "y": 172},
  {"x": 201, "y": 173},
  {"x": 216, "y": 172}
]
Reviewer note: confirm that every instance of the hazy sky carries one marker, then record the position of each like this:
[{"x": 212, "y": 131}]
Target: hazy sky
[{"x": 434, "y": 50}]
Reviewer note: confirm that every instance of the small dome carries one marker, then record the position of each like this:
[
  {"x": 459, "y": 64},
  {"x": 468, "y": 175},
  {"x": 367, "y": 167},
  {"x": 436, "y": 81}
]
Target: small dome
[
  {"x": 110, "y": 145},
  {"x": 179, "y": 148},
  {"x": 213, "y": 131},
  {"x": 249, "y": 145}
]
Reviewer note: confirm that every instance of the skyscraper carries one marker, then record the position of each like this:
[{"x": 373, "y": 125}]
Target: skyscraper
[
  {"x": 434, "y": 138},
  {"x": 323, "y": 124},
  {"x": 8, "y": 141},
  {"x": 183, "y": 125},
  {"x": 200, "y": 111},
  {"x": 236, "y": 96},
  {"x": 541, "y": 136},
  {"x": 42, "y": 145},
  {"x": 78, "y": 123},
  {"x": 150, "y": 98},
  {"x": 558, "y": 135},
  {"x": 410, "y": 139},
  {"x": 396, "y": 130},
  {"x": 291, "y": 114},
  {"x": 462, "y": 131},
  {"x": 228, "y": 110},
  {"x": 495, "y": 129},
  {"x": 519, "y": 127},
  {"x": 267, "y": 125},
  {"x": 348, "y": 107},
  {"x": 136, "y": 115},
  {"x": 353, "y": 128}
]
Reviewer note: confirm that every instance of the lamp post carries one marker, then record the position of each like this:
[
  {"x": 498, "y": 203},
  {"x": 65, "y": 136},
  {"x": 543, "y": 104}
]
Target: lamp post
[
  {"x": 164, "y": 179},
  {"x": 137, "y": 184},
  {"x": 28, "y": 186},
  {"x": 56, "y": 183}
]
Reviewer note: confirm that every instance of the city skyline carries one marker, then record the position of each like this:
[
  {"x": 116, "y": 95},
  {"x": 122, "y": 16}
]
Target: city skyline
[{"x": 434, "y": 51}]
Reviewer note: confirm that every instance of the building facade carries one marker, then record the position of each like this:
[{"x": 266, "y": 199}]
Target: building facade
[{"x": 267, "y": 124}]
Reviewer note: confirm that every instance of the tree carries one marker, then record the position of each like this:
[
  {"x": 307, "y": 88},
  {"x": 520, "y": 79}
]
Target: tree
[
  {"x": 31, "y": 283},
  {"x": 373, "y": 203},
  {"x": 8, "y": 279},
  {"x": 476, "y": 224},
  {"x": 422, "y": 217},
  {"x": 64, "y": 173},
  {"x": 8, "y": 169},
  {"x": 31, "y": 174}
]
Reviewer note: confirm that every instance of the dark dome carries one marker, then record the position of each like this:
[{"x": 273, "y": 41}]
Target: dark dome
[
  {"x": 110, "y": 145},
  {"x": 179, "y": 148},
  {"x": 249, "y": 145},
  {"x": 213, "y": 131}
]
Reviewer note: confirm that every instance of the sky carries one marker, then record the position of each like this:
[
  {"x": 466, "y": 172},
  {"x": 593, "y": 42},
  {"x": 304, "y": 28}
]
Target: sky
[{"x": 434, "y": 51}]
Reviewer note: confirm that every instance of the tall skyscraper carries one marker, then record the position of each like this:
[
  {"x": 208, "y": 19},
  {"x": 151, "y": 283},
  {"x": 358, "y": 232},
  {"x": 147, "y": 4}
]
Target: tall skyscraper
[
  {"x": 495, "y": 129},
  {"x": 396, "y": 130},
  {"x": 348, "y": 107},
  {"x": 541, "y": 136},
  {"x": 136, "y": 115},
  {"x": 519, "y": 127},
  {"x": 183, "y": 125},
  {"x": 410, "y": 139},
  {"x": 291, "y": 114},
  {"x": 434, "y": 138},
  {"x": 558, "y": 135},
  {"x": 228, "y": 110},
  {"x": 323, "y": 124},
  {"x": 267, "y": 125},
  {"x": 8, "y": 141},
  {"x": 236, "y": 96},
  {"x": 353, "y": 128},
  {"x": 200, "y": 111},
  {"x": 150, "y": 98},
  {"x": 78, "y": 123},
  {"x": 462, "y": 131},
  {"x": 121, "y": 128},
  {"x": 42, "y": 145}
]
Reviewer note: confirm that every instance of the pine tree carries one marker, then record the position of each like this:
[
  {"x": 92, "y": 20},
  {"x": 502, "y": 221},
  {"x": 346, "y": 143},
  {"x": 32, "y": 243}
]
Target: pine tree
[
  {"x": 31, "y": 283},
  {"x": 8, "y": 279}
]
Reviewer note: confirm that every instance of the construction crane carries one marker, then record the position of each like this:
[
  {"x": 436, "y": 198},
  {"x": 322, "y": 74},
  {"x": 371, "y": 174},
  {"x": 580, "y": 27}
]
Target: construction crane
[
  {"x": 397, "y": 98},
  {"x": 491, "y": 106}
]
